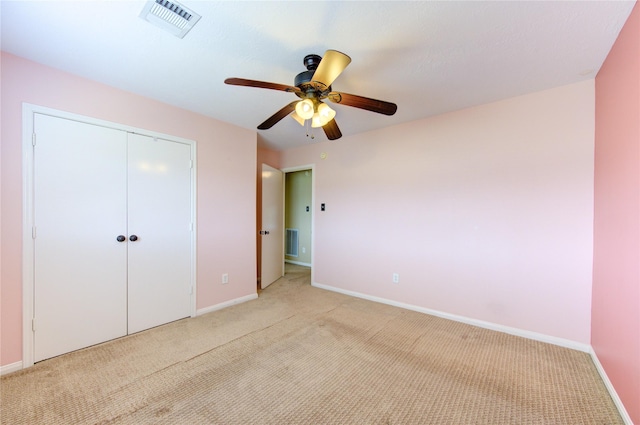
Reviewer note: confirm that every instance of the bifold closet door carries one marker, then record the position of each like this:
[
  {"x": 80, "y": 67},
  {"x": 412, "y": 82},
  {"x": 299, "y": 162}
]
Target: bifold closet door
[
  {"x": 80, "y": 209},
  {"x": 159, "y": 219},
  {"x": 112, "y": 234}
]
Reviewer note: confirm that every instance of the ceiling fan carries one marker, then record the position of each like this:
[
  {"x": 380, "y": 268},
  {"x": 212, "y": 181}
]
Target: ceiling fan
[{"x": 313, "y": 86}]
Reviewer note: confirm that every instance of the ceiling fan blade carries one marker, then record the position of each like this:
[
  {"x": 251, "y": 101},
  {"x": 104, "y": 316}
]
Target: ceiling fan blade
[
  {"x": 273, "y": 119},
  {"x": 332, "y": 64},
  {"x": 260, "y": 84},
  {"x": 374, "y": 105},
  {"x": 331, "y": 130}
]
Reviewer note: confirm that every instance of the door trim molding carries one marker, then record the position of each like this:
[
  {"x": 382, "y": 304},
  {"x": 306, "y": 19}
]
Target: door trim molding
[{"x": 28, "y": 113}]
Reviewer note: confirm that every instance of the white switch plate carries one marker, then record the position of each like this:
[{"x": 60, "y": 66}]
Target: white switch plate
[
  {"x": 225, "y": 278},
  {"x": 396, "y": 278}
]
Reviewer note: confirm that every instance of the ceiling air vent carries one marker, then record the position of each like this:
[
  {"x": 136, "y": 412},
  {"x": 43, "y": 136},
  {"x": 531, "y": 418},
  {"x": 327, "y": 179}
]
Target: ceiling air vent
[{"x": 170, "y": 16}]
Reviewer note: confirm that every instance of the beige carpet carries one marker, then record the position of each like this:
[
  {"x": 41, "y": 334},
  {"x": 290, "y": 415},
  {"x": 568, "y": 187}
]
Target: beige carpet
[{"x": 302, "y": 355}]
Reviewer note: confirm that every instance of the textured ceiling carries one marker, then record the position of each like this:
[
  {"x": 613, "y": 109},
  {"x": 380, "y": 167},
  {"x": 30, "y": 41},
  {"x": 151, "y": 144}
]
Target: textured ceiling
[{"x": 427, "y": 57}]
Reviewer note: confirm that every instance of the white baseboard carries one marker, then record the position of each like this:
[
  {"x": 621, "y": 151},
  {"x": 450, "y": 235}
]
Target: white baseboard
[
  {"x": 13, "y": 367},
  {"x": 9, "y": 368},
  {"x": 298, "y": 263},
  {"x": 612, "y": 391},
  {"x": 226, "y": 304},
  {"x": 474, "y": 322},
  {"x": 501, "y": 328}
]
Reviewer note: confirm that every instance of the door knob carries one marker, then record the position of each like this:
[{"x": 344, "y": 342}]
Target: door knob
[
  {"x": 133, "y": 238},
  {"x": 264, "y": 232},
  {"x": 121, "y": 238}
]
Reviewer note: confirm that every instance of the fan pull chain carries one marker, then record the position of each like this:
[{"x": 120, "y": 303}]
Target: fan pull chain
[{"x": 307, "y": 125}]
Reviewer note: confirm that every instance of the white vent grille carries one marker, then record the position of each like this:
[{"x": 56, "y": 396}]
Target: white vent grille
[
  {"x": 170, "y": 16},
  {"x": 291, "y": 245}
]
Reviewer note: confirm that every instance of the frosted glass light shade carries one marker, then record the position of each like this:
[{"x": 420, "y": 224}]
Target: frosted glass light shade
[
  {"x": 297, "y": 117},
  {"x": 315, "y": 121},
  {"x": 323, "y": 116},
  {"x": 326, "y": 113},
  {"x": 304, "y": 109}
]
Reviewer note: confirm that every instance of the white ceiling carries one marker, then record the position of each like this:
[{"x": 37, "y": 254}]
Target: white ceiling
[{"x": 427, "y": 57}]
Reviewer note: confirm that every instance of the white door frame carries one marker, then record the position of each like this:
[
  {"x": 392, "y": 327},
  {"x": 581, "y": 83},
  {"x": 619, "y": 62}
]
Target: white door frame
[
  {"x": 313, "y": 206},
  {"x": 28, "y": 113}
]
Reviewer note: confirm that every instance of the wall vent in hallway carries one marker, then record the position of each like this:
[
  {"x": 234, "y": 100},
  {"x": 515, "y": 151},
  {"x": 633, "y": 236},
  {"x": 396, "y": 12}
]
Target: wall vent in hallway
[{"x": 291, "y": 243}]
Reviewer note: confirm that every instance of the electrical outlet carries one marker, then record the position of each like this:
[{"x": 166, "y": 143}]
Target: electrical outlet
[
  {"x": 304, "y": 250},
  {"x": 225, "y": 278},
  {"x": 395, "y": 277}
]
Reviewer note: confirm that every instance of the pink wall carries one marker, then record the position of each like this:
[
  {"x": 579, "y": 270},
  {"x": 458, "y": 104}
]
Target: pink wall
[
  {"x": 616, "y": 270},
  {"x": 485, "y": 213},
  {"x": 226, "y": 182}
]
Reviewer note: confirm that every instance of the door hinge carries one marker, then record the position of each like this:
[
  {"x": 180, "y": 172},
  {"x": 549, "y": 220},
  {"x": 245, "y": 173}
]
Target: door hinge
[
  {"x": 190, "y": 163},
  {"x": 33, "y": 324},
  {"x": 191, "y": 290},
  {"x": 33, "y": 232},
  {"x": 33, "y": 139}
]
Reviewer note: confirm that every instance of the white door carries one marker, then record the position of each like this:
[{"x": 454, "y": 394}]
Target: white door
[
  {"x": 112, "y": 234},
  {"x": 160, "y": 222},
  {"x": 80, "y": 292},
  {"x": 272, "y": 232}
]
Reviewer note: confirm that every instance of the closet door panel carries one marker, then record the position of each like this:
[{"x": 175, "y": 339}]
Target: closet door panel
[
  {"x": 159, "y": 199},
  {"x": 79, "y": 210}
]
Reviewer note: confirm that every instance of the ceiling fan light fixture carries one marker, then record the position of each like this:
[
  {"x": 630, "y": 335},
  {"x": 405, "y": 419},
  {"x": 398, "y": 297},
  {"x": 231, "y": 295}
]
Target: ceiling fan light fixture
[
  {"x": 304, "y": 109},
  {"x": 316, "y": 121},
  {"x": 313, "y": 86},
  {"x": 326, "y": 113},
  {"x": 297, "y": 117},
  {"x": 323, "y": 116}
]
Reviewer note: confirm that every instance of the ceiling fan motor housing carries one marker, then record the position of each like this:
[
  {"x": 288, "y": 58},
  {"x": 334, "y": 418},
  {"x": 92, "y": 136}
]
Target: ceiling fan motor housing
[
  {"x": 312, "y": 62},
  {"x": 304, "y": 80},
  {"x": 303, "y": 77}
]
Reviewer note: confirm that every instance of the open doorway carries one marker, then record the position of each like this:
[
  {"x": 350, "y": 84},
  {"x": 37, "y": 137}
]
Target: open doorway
[
  {"x": 272, "y": 204},
  {"x": 298, "y": 217},
  {"x": 301, "y": 195}
]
